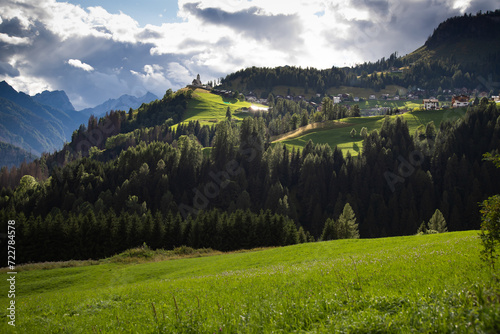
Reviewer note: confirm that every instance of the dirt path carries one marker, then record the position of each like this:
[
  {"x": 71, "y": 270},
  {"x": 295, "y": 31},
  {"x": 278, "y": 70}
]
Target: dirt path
[{"x": 309, "y": 128}]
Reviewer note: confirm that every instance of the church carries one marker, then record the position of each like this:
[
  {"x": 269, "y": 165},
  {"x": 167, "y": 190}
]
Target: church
[{"x": 197, "y": 81}]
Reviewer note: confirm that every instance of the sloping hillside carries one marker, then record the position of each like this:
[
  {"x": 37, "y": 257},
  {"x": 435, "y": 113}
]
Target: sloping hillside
[
  {"x": 28, "y": 130},
  {"x": 11, "y": 155},
  {"x": 337, "y": 133},
  {"x": 430, "y": 283},
  {"x": 209, "y": 108}
]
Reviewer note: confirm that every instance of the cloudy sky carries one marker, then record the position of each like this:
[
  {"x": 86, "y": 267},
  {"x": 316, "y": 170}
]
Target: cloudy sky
[{"x": 95, "y": 50}]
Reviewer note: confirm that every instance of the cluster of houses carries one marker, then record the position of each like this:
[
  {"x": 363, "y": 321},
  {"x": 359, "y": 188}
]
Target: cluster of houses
[
  {"x": 222, "y": 92},
  {"x": 460, "y": 98},
  {"x": 456, "y": 102}
]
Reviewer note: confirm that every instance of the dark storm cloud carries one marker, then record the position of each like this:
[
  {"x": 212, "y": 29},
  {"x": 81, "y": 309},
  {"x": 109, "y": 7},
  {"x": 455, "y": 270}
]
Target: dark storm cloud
[
  {"x": 482, "y": 5},
  {"x": 280, "y": 30},
  {"x": 13, "y": 27},
  {"x": 48, "y": 54},
  {"x": 379, "y": 7},
  {"x": 7, "y": 69},
  {"x": 399, "y": 26}
]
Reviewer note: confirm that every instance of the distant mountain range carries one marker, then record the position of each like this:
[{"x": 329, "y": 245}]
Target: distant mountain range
[
  {"x": 31, "y": 125},
  {"x": 56, "y": 99},
  {"x": 124, "y": 102}
]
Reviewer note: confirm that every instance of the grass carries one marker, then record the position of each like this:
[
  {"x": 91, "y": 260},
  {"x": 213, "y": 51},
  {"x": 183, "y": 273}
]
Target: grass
[
  {"x": 340, "y": 136},
  {"x": 208, "y": 108},
  {"x": 401, "y": 104},
  {"x": 430, "y": 283}
]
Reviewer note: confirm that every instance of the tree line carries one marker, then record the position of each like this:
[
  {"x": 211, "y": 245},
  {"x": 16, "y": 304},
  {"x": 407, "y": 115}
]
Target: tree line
[
  {"x": 89, "y": 235},
  {"x": 396, "y": 183}
]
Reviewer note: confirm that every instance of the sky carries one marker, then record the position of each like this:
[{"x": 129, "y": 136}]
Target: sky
[{"x": 96, "y": 50}]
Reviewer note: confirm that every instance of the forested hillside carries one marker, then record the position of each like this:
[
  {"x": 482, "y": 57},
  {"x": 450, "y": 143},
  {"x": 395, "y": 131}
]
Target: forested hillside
[
  {"x": 248, "y": 193},
  {"x": 154, "y": 175}
]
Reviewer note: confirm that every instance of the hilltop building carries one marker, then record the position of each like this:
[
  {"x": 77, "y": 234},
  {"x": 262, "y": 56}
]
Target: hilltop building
[
  {"x": 197, "y": 84},
  {"x": 197, "y": 81}
]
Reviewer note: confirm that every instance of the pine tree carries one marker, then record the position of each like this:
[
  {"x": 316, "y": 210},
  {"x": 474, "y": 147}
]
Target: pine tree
[
  {"x": 437, "y": 222},
  {"x": 348, "y": 228},
  {"x": 329, "y": 230}
]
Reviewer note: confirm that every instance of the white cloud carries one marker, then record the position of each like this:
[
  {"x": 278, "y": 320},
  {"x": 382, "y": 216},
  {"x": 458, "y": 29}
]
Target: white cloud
[
  {"x": 153, "y": 77},
  {"x": 78, "y": 64},
  {"x": 214, "y": 38},
  {"x": 13, "y": 40},
  {"x": 178, "y": 73}
]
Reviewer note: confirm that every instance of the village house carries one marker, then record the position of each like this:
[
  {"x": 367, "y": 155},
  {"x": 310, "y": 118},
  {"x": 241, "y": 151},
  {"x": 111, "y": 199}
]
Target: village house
[
  {"x": 372, "y": 97},
  {"x": 431, "y": 104},
  {"x": 336, "y": 99},
  {"x": 460, "y": 101},
  {"x": 251, "y": 98}
]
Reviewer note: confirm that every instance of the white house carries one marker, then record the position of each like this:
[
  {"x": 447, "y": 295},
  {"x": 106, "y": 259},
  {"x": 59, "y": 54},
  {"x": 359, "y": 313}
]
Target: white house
[
  {"x": 372, "y": 97},
  {"x": 356, "y": 99},
  {"x": 336, "y": 99},
  {"x": 460, "y": 101},
  {"x": 431, "y": 104}
]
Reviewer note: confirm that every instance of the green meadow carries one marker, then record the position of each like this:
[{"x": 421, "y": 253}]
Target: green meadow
[
  {"x": 370, "y": 104},
  {"x": 208, "y": 108},
  {"x": 341, "y": 137},
  {"x": 429, "y": 283}
]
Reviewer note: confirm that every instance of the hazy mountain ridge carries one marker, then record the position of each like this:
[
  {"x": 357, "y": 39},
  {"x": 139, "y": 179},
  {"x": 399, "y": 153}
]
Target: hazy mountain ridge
[
  {"x": 56, "y": 99},
  {"x": 124, "y": 102},
  {"x": 25, "y": 129},
  {"x": 44, "y": 122},
  {"x": 11, "y": 155}
]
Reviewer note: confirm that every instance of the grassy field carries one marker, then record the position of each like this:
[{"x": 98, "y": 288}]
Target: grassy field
[
  {"x": 431, "y": 283},
  {"x": 341, "y": 136},
  {"x": 371, "y": 104},
  {"x": 210, "y": 108}
]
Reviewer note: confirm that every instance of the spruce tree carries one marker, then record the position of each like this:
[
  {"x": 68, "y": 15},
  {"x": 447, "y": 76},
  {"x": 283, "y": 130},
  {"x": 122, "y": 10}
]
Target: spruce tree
[
  {"x": 348, "y": 228},
  {"x": 437, "y": 222},
  {"x": 329, "y": 230}
]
